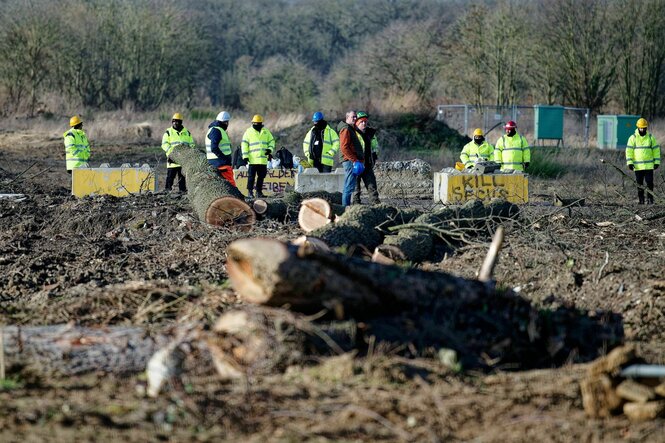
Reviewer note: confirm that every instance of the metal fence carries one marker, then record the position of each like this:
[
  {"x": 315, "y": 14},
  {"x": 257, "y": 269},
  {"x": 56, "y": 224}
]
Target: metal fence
[{"x": 465, "y": 118}]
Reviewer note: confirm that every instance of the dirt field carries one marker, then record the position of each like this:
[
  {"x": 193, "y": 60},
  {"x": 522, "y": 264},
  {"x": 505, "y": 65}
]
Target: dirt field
[{"x": 148, "y": 261}]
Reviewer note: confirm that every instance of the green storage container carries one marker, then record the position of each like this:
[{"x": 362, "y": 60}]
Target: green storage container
[
  {"x": 614, "y": 130},
  {"x": 548, "y": 122}
]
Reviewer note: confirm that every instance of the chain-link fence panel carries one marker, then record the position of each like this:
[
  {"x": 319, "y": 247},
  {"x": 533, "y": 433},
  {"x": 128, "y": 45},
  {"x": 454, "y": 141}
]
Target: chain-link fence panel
[{"x": 575, "y": 131}]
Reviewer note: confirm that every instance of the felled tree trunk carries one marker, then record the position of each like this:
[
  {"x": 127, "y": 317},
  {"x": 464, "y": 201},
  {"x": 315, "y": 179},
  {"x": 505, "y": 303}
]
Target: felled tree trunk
[
  {"x": 286, "y": 208},
  {"x": 215, "y": 200},
  {"x": 72, "y": 350},
  {"x": 269, "y": 272},
  {"x": 417, "y": 310},
  {"x": 358, "y": 225}
]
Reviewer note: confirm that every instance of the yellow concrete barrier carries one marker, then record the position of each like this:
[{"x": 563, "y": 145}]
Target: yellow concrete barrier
[
  {"x": 276, "y": 180},
  {"x": 459, "y": 188},
  {"x": 120, "y": 181}
]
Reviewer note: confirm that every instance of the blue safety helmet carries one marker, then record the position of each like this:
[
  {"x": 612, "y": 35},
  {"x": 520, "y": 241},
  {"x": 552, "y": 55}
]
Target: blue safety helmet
[
  {"x": 358, "y": 168},
  {"x": 318, "y": 116}
]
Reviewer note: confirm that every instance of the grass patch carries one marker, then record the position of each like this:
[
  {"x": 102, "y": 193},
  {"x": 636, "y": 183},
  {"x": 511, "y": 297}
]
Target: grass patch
[
  {"x": 545, "y": 163},
  {"x": 8, "y": 384}
]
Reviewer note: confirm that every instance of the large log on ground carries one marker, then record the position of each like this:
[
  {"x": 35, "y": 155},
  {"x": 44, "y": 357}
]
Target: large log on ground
[
  {"x": 359, "y": 225},
  {"x": 215, "y": 201},
  {"x": 286, "y": 208},
  {"x": 422, "y": 310},
  {"x": 68, "y": 350}
]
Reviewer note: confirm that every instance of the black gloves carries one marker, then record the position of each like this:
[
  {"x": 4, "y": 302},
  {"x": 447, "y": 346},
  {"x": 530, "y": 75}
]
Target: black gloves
[
  {"x": 631, "y": 167},
  {"x": 269, "y": 157},
  {"x": 656, "y": 166},
  {"x": 169, "y": 161},
  {"x": 526, "y": 165}
]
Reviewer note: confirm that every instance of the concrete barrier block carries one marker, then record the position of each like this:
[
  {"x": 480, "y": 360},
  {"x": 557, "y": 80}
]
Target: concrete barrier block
[
  {"x": 119, "y": 182},
  {"x": 458, "y": 188},
  {"x": 314, "y": 181}
]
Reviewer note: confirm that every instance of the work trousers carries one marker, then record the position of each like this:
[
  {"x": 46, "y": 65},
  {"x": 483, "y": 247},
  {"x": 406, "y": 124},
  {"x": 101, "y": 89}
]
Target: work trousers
[
  {"x": 171, "y": 174},
  {"x": 320, "y": 166},
  {"x": 259, "y": 172},
  {"x": 641, "y": 177},
  {"x": 226, "y": 172},
  {"x": 369, "y": 179}
]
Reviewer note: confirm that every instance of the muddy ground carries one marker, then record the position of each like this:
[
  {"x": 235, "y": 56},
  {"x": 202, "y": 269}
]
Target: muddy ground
[{"x": 147, "y": 260}]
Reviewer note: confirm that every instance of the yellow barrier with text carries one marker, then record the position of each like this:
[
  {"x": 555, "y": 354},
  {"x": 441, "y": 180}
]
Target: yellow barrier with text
[
  {"x": 276, "y": 181},
  {"x": 459, "y": 188},
  {"x": 119, "y": 182}
]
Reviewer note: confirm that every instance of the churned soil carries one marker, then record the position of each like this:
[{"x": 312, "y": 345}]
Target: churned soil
[{"x": 147, "y": 260}]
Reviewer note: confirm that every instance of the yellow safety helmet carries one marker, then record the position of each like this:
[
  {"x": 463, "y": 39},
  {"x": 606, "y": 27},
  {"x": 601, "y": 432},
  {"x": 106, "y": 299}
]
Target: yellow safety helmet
[
  {"x": 642, "y": 123},
  {"x": 478, "y": 133},
  {"x": 74, "y": 121},
  {"x": 177, "y": 116},
  {"x": 257, "y": 119}
]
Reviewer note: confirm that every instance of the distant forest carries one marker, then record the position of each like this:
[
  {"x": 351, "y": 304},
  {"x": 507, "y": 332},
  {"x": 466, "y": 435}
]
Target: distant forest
[{"x": 282, "y": 56}]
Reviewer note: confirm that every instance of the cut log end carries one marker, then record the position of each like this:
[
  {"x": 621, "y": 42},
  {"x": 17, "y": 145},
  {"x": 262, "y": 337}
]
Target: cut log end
[
  {"x": 388, "y": 255},
  {"x": 251, "y": 263},
  {"x": 314, "y": 213},
  {"x": 260, "y": 206},
  {"x": 230, "y": 212}
]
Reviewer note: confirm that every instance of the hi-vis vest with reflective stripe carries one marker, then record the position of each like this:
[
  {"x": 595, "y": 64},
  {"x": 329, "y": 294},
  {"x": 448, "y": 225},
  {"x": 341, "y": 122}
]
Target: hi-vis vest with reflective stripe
[
  {"x": 171, "y": 139},
  {"x": 255, "y": 144},
  {"x": 642, "y": 152},
  {"x": 471, "y": 153},
  {"x": 77, "y": 148},
  {"x": 330, "y": 145},
  {"x": 224, "y": 144},
  {"x": 512, "y": 152}
]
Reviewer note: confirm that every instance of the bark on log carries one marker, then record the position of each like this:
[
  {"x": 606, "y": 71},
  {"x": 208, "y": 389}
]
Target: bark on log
[
  {"x": 267, "y": 271},
  {"x": 481, "y": 324},
  {"x": 69, "y": 350},
  {"x": 214, "y": 200},
  {"x": 358, "y": 226}
]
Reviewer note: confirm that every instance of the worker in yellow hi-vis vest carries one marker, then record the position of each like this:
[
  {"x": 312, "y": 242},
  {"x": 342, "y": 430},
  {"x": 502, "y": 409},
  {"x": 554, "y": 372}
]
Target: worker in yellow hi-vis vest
[
  {"x": 176, "y": 135},
  {"x": 77, "y": 146},
  {"x": 512, "y": 150},
  {"x": 643, "y": 157},
  {"x": 257, "y": 145}
]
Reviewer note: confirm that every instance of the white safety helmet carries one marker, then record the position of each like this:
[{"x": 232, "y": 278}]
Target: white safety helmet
[{"x": 223, "y": 116}]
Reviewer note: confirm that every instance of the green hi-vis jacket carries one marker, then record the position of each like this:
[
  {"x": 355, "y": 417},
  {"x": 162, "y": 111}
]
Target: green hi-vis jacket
[
  {"x": 642, "y": 151},
  {"x": 471, "y": 153},
  {"x": 512, "y": 152},
  {"x": 328, "y": 150},
  {"x": 173, "y": 138},
  {"x": 257, "y": 145},
  {"x": 77, "y": 148}
]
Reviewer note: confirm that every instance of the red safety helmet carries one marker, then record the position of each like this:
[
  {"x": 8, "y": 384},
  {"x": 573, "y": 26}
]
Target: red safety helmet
[{"x": 510, "y": 125}]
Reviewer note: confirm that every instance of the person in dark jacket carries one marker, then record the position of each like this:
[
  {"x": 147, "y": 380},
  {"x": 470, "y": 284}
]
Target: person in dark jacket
[
  {"x": 321, "y": 144},
  {"x": 218, "y": 147},
  {"x": 350, "y": 144},
  {"x": 370, "y": 155}
]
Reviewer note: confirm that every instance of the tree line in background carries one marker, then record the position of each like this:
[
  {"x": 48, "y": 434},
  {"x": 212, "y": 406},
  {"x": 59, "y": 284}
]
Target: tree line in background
[{"x": 300, "y": 55}]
